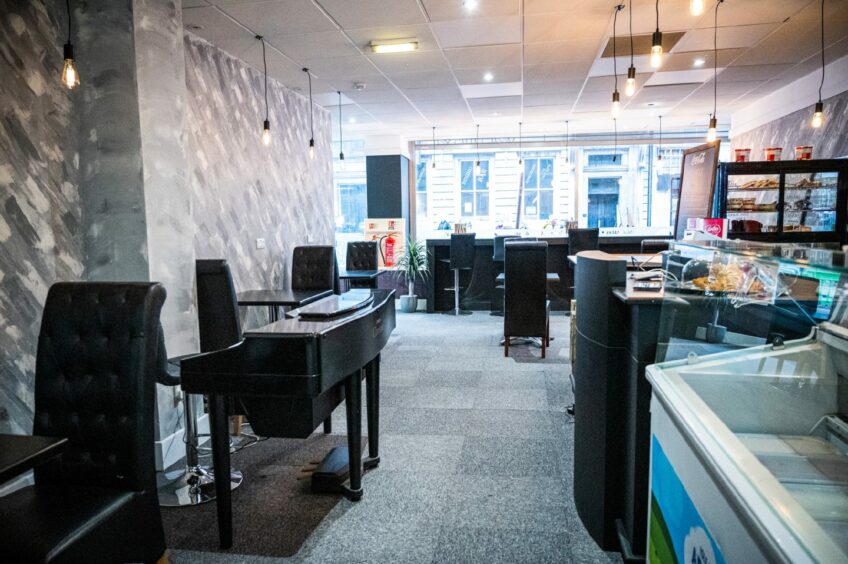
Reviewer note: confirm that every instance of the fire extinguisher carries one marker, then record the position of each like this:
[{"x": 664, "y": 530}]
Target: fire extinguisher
[{"x": 389, "y": 254}]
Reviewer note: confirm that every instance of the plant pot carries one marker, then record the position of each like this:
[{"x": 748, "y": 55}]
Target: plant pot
[{"x": 408, "y": 304}]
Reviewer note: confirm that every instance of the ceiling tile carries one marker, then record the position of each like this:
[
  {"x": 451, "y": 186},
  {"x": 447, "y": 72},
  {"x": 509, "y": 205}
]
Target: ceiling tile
[
  {"x": 728, "y": 37},
  {"x": 571, "y": 26},
  {"x": 498, "y": 103},
  {"x": 663, "y": 95},
  {"x": 373, "y": 13},
  {"x": 753, "y": 12},
  {"x": 415, "y": 61},
  {"x": 280, "y": 18},
  {"x": 500, "y": 74},
  {"x": 340, "y": 67},
  {"x": 478, "y": 31},
  {"x": 370, "y": 96},
  {"x": 552, "y": 86},
  {"x": 544, "y": 73},
  {"x": 378, "y": 109},
  {"x": 435, "y": 94},
  {"x": 211, "y": 24},
  {"x": 484, "y": 56},
  {"x": 752, "y": 73},
  {"x": 491, "y": 90},
  {"x": 553, "y": 52},
  {"x": 319, "y": 45},
  {"x": 681, "y": 77},
  {"x": 440, "y": 10},
  {"x": 687, "y": 60},
  {"x": 538, "y": 100},
  {"x": 423, "y": 79}
]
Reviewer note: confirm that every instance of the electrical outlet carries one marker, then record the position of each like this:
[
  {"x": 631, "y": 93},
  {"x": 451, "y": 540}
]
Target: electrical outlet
[
  {"x": 260, "y": 243},
  {"x": 310, "y": 238}
]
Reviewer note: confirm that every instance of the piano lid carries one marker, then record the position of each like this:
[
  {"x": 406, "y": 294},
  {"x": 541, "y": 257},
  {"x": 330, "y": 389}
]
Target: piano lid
[
  {"x": 296, "y": 327},
  {"x": 333, "y": 306}
]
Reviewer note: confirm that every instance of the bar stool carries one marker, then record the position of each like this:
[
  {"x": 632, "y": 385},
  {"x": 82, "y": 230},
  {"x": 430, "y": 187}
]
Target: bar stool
[
  {"x": 498, "y": 259},
  {"x": 461, "y": 258}
]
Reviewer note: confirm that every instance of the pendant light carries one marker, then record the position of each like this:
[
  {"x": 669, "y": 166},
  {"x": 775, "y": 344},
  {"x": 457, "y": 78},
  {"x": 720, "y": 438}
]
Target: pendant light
[
  {"x": 630, "y": 85},
  {"x": 712, "y": 134},
  {"x": 478, "y": 170},
  {"x": 616, "y": 101},
  {"x": 341, "y": 139},
  {"x": 70, "y": 76},
  {"x": 818, "y": 114},
  {"x": 311, "y": 130},
  {"x": 656, "y": 43},
  {"x": 266, "y": 125},
  {"x": 659, "y": 158},
  {"x": 520, "y": 154},
  {"x": 696, "y": 7},
  {"x": 433, "y": 163}
]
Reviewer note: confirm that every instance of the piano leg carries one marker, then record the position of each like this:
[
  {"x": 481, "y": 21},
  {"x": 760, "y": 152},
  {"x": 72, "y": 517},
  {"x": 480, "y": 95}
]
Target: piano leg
[
  {"x": 372, "y": 393},
  {"x": 219, "y": 427},
  {"x": 353, "y": 410},
  {"x": 328, "y": 425}
]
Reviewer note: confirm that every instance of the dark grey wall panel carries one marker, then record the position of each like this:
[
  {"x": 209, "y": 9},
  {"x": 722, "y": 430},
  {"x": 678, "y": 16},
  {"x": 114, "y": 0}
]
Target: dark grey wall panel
[
  {"x": 387, "y": 177},
  {"x": 40, "y": 227},
  {"x": 829, "y": 141}
]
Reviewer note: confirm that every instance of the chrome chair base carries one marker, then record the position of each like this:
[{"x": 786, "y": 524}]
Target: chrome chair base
[{"x": 195, "y": 486}]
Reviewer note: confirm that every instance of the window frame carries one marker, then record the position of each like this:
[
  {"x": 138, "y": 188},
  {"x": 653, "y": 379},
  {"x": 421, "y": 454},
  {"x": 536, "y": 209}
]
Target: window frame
[
  {"x": 538, "y": 189},
  {"x": 475, "y": 191}
]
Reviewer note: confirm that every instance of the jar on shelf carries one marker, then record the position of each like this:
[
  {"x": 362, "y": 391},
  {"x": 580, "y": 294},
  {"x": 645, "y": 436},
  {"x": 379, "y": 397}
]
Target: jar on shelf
[
  {"x": 742, "y": 155},
  {"x": 803, "y": 152},
  {"x": 773, "y": 153}
]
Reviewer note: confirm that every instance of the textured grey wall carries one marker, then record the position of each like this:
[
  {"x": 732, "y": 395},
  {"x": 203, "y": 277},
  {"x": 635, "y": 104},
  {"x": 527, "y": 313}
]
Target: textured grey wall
[
  {"x": 242, "y": 190},
  {"x": 40, "y": 233},
  {"x": 829, "y": 141}
]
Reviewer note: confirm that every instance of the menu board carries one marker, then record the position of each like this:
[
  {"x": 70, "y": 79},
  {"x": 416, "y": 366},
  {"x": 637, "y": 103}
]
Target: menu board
[{"x": 697, "y": 184}]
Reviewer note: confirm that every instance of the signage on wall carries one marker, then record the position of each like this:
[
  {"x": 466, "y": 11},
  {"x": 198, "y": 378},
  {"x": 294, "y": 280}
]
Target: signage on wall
[{"x": 697, "y": 185}]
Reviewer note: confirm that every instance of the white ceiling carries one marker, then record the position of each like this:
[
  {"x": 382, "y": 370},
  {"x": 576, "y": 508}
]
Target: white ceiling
[{"x": 545, "y": 58}]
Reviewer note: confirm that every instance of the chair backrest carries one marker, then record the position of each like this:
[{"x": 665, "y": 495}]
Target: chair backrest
[
  {"x": 313, "y": 268},
  {"x": 498, "y": 254},
  {"x": 582, "y": 240},
  {"x": 462, "y": 250},
  {"x": 654, "y": 246},
  {"x": 217, "y": 305},
  {"x": 362, "y": 255},
  {"x": 525, "y": 288},
  {"x": 95, "y": 382}
]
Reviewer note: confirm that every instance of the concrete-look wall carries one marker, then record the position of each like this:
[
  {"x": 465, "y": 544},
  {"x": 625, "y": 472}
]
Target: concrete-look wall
[
  {"x": 829, "y": 141},
  {"x": 40, "y": 227},
  {"x": 242, "y": 190}
]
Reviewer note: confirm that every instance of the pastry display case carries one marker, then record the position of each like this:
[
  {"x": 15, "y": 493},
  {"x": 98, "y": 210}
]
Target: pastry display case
[
  {"x": 784, "y": 200},
  {"x": 749, "y": 409}
]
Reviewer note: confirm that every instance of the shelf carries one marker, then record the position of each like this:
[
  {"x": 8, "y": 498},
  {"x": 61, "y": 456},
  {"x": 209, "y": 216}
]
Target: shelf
[
  {"x": 815, "y": 210},
  {"x": 746, "y": 212},
  {"x": 770, "y": 189}
]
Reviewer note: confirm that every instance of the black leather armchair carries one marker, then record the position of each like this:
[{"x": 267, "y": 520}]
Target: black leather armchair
[
  {"x": 580, "y": 240},
  {"x": 362, "y": 255},
  {"x": 498, "y": 259},
  {"x": 526, "y": 307},
  {"x": 217, "y": 305},
  {"x": 314, "y": 267},
  {"x": 94, "y": 384}
]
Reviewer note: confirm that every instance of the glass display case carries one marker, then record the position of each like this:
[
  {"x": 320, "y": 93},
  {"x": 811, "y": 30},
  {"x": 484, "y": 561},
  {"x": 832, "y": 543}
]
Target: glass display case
[
  {"x": 749, "y": 414},
  {"x": 784, "y": 200}
]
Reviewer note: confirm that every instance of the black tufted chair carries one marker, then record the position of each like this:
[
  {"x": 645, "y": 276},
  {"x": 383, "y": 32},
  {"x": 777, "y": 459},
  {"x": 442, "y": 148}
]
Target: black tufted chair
[
  {"x": 95, "y": 380},
  {"x": 461, "y": 258},
  {"x": 314, "y": 268},
  {"x": 526, "y": 308},
  {"x": 580, "y": 240},
  {"x": 362, "y": 255},
  {"x": 217, "y": 305}
]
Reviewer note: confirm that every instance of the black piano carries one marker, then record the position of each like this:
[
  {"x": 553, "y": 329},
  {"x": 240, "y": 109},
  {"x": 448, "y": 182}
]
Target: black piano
[{"x": 289, "y": 376}]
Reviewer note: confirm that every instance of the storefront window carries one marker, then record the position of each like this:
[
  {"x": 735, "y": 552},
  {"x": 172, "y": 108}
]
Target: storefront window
[
  {"x": 421, "y": 187},
  {"x": 539, "y": 188},
  {"x": 474, "y": 189}
]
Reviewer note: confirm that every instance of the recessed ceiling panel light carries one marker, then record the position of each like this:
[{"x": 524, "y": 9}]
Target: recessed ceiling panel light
[
  {"x": 470, "y": 5},
  {"x": 488, "y": 77},
  {"x": 394, "y": 46},
  {"x": 699, "y": 62},
  {"x": 351, "y": 120}
]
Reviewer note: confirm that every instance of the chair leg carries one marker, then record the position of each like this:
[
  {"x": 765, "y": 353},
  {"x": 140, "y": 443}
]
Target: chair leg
[
  {"x": 506, "y": 346},
  {"x": 238, "y": 421},
  {"x": 544, "y": 343},
  {"x": 328, "y": 425},
  {"x": 548, "y": 331}
]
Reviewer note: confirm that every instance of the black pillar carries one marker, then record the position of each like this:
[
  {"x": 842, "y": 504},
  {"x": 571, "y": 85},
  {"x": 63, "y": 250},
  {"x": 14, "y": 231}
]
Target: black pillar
[{"x": 388, "y": 186}]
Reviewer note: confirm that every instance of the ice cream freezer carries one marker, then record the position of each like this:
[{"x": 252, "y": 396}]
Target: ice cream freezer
[{"x": 749, "y": 454}]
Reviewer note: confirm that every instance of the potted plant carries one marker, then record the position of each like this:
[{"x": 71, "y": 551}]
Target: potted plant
[{"x": 411, "y": 264}]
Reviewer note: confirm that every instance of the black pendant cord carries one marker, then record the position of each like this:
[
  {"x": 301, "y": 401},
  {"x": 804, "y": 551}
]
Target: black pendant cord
[
  {"x": 618, "y": 8},
  {"x": 341, "y": 138},
  {"x": 615, "y": 140},
  {"x": 821, "y": 84},
  {"x": 519, "y": 141},
  {"x": 658, "y": 14},
  {"x": 434, "y": 147},
  {"x": 630, "y": 11},
  {"x": 311, "y": 129},
  {"x": 478, "y": 143},
  {"x": 659, "y": 149},
  {"x": 567, "y": 155},
  {"x": 265, "y": 69},
  {"x": 715, "y": 60},
  {"x": 68, "y": 4}
]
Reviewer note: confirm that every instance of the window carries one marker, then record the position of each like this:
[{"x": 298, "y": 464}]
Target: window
[
  {"x": 605, "y": 158},
  {"x": 421, "y": 188},
  {"x": 353, "y": 204},
  {"x": 538, "y": 188},
  {"x": 474, "y": 189}
]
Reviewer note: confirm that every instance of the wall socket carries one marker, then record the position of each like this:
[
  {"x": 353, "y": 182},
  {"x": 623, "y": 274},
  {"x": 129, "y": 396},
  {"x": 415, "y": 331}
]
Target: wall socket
[
  {"x": 310, "y": 238},
  {"x": 260, "y": 243}
]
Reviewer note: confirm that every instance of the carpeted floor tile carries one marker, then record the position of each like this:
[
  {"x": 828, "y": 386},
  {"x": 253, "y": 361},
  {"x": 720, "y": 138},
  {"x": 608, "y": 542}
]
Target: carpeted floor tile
[
  {"x": 502, "y": 456},
  {"x": 498, "y": 546}
]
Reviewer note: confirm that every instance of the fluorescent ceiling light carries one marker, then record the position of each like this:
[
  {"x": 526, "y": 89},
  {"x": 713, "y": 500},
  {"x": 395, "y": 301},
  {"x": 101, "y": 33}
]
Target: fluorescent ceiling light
[
  {"x": 394, "y": 46},
  {"x": 699, "y": 62}
]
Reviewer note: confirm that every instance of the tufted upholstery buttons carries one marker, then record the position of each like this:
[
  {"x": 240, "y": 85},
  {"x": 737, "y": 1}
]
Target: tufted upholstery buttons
[
  {"x": 362, "y": 255},
  {"x": 313, "y": 268}
]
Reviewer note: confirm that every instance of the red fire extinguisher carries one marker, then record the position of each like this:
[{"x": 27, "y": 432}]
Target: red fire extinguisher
[{"x": 389, "y": 258}]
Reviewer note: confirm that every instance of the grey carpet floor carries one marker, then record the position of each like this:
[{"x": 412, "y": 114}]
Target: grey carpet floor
[{"x": 476, "y": 465}]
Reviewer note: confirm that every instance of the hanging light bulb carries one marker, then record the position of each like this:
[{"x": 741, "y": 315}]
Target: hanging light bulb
[
  {"x": 266, "y": 125},
  {"x": 630, "y": 85},
  {"x": 696, "y": 7},
  {"x": 818, "y": 114},
  {"x": 70, "y": 76},
  {"x": 712, "y": 134},
  {"x": 616, "y": 104},
  {"x": 311, "y": 129},
  {"x": 266, "y": 133},
  {"x": 656, "y": 43}
]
